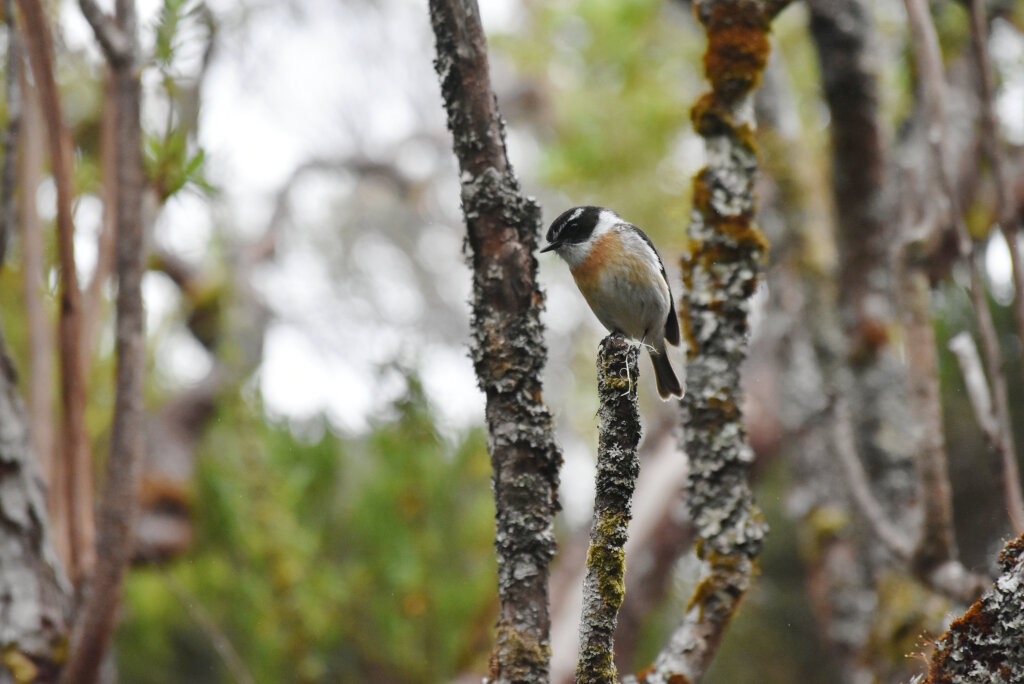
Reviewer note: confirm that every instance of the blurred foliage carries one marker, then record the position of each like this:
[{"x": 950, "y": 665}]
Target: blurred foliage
[
  {"x": 619, "y": 78},
  {"x": 335, "y": 559},
  {"x": 173, "y": 158}
]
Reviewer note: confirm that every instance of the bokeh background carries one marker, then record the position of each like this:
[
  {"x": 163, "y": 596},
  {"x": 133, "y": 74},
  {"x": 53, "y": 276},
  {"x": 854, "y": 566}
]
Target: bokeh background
[{"x": 318, "y": 493}]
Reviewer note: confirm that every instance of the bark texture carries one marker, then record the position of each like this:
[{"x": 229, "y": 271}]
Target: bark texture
[
  {"x": 507, "y": 347},
  {"x": 119, "y": 510},
  {"x": 986, "y": 644},
  {"x": 34, "y": 595},
  {"x": 617, "y": 471},
  {"x": 720, "y": 274}
]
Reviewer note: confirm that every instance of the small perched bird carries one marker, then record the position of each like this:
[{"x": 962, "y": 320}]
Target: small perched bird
[{"x": 622, "y": 278}]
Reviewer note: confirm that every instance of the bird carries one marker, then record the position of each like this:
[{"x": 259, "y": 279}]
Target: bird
[{"x": 620, "y": 274}]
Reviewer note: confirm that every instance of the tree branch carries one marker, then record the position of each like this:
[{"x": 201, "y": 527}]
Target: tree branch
[
  {"x": 926, "y": 47},
  {"x": 845, "y": 39},
  {"x": 35, "y": 598},
  {"x": 508, "y": 350},
  {"x": 719, "y": 275},
  {"x": 986, "y": 644},
  {"x": 120, "y": 506},
  {"x": 894, "y": 540},
  {"x": 966, "y": 353},
  {"x": 116, "y": 41},
  {"x": 95, "y": 292},
  {"x": 40, "y": 385},
  {"x": 617, "y": 470},
  {"x": 1006, "y": 210},
  {"x": 76, "y": 461},
  {"x": 936, "y": 543}
]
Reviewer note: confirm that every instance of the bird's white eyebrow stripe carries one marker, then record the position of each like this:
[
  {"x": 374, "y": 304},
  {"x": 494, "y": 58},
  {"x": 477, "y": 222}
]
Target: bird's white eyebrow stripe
[{"x": 576, "y": 214}]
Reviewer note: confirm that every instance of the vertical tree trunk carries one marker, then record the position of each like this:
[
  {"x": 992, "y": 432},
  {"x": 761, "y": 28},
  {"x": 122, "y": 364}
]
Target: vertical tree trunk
[
  {"x": 34, "y": 595},
  {"x": 508, "y": 349}
]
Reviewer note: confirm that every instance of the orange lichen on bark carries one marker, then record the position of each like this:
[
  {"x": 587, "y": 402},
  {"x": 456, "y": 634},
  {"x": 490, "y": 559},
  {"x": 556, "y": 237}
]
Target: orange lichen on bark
[{"x": 738, "y": 47}]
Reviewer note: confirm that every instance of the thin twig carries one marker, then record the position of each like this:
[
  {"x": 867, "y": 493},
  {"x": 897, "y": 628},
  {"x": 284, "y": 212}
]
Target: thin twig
[
  {"x": 1009, "y": 222},
  {"x": 116, "y": 41},
  {"x": 76, "y": 462},
  {"x": 218, "y": 639},
  {"x": 966, "y": 352},
  {"x": 946, "y": 576},
  {"x": 937, "y": 540},
  {"x": 617, "y": 470},
  {"x": 933, "y": 86},
  {"x": 895, "y": 542}
]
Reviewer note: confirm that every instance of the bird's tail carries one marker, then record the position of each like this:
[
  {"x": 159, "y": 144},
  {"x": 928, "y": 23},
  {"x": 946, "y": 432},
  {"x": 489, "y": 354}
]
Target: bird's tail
[{"x": 665, "y": 376}]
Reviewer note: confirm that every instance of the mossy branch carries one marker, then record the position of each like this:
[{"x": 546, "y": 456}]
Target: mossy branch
[
  {"x": 617, "y": 470},
  {"x": 721, "y": 272}
]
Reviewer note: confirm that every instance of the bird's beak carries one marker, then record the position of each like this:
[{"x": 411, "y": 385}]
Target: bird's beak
[{"x": 548, "y": 248}]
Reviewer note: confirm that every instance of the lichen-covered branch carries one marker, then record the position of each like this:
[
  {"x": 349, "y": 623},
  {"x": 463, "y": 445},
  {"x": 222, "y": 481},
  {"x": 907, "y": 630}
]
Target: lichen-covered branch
[
  {"x": 721, "y": 272},
  {"x": 986, "y": 644},
  {"x": 617, "y": 470},
  {"x": 508, "y": 350},
  {"x": 34, "y": 596}
]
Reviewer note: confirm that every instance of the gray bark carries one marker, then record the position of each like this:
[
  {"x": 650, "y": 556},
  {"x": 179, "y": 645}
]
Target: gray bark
[
  {"x": 617, "y": 471},
  {"x": 34, "y": 594},
  {"x": 986, "y": 644},
  {"x": 507, "y": 349}
]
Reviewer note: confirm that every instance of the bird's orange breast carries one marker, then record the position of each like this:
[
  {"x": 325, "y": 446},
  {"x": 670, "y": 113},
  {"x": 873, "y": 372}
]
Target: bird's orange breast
[{"x": 609, "y": 259}]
